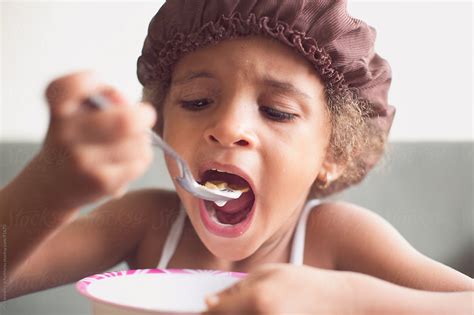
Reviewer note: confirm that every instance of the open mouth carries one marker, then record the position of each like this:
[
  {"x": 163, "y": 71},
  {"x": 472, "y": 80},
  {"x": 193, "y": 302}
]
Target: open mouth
[{"x": 234, "y": 211}]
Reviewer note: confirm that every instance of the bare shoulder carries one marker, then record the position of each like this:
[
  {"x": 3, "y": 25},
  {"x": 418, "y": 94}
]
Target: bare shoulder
[
  {"x": 343, "y": 218},
  {"x": 346, "y": 228},
  {"x": 331, "y": 227},
  {"x": 360, "y": 240}
]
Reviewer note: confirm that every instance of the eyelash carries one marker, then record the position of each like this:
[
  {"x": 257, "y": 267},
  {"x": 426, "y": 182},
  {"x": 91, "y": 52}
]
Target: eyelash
[
  {"x": 195, "y": 105},
  {"x": 277, "y": 115},
  {"x": 270, "y": 113}
]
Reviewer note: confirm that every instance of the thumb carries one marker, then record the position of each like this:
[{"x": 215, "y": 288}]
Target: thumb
[
  {"x": 226, "y": 301},
  {"x": 212, "y": 301}
]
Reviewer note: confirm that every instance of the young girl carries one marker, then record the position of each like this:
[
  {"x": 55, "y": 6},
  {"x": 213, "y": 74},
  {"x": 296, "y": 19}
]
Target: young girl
[{"x": 285, "y": 100}]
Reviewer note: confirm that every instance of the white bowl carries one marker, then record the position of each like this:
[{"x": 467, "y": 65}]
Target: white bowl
[{"x": 154, "y": 291}]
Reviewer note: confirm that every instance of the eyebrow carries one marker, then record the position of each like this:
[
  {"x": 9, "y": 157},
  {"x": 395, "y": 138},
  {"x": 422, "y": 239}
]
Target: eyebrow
[
  {"x": 285, "y": 87},
  {"x": 193, "y": 75},
  {"x": 282, "y": 86}
]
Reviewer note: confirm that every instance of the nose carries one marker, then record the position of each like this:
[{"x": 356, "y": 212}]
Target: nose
[{"x": 231, "y": 128}]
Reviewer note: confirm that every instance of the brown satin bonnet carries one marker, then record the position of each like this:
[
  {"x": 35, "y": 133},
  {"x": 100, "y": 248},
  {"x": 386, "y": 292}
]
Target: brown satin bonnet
[{"x": 340, "y": 47}]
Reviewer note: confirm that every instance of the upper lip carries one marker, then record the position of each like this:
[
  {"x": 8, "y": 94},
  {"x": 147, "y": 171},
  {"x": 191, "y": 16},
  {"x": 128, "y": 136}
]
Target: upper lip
[{"x": 228, "y": 168}]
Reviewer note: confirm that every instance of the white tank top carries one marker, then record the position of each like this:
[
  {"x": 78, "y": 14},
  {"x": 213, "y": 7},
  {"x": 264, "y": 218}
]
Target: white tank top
[{"x": 297, "y": 248}]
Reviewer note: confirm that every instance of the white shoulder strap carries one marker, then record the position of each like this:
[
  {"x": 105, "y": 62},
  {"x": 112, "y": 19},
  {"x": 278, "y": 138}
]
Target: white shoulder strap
[
  {"x": 172, "y": 239},
  {"x": 297, "y": 248}
]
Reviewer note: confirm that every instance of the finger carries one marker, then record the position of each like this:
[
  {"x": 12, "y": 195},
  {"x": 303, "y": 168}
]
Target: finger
[
  {"x": 231, "y": 299},
  {"x": 228, "y": 304},
  {"x": 212, "y": 301},
  {"x": 113, "y": 124},
  {"x": 67, "y": 94}
]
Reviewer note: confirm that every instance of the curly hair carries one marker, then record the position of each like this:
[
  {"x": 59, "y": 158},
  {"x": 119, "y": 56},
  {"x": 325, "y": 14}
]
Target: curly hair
[{"x": 356, "y": 142}]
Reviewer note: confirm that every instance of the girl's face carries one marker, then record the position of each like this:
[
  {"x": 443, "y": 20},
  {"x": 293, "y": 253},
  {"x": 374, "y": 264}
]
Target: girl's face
[{"x": 255, "y": 111}]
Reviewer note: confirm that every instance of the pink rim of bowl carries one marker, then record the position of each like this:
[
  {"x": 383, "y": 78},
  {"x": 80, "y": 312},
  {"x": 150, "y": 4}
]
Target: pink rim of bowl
[{"x": 83, "y": 284}]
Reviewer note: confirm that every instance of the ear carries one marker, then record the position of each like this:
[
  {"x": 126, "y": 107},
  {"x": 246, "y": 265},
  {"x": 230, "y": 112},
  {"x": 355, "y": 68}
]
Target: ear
[{"x": 329, "y": 172}]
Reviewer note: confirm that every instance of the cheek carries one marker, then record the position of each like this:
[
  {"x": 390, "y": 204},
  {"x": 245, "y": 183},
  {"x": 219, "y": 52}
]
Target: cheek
[
  {"x": 170, "y": 119},
  {"x": 294, "y": 164},
  {"x": 296, "y": 171}
]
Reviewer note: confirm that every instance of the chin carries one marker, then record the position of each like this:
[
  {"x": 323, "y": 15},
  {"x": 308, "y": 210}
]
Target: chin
[
  {"x": 232, "y": 244},
  {"x": 231, "y": 250}
]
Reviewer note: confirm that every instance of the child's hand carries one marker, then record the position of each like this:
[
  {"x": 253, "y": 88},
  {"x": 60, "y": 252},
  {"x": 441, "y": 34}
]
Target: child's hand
[
  {"x": 91, "y": 153},
  {"x": 285, "y": 289}
]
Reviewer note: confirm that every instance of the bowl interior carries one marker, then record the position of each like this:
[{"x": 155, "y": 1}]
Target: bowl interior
[{"x": 157, "y": 290}]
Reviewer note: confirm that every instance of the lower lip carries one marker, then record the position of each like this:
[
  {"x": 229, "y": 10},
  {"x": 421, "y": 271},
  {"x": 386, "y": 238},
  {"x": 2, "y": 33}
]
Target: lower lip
[{"x": 225, "y": 231}]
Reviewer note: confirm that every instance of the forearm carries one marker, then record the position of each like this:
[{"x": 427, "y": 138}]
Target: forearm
[
  {"x": 31, "y": 209},
  {"x": 375, "y": 296}
]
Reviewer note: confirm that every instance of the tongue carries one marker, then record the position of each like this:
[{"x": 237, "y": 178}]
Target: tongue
[
  {"x": 235, "y": 211},
  {"x": 232, "y": 218}
]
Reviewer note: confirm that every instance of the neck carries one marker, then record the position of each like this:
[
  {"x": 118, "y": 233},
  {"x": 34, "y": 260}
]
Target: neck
[{"x": 277, "y": 249}]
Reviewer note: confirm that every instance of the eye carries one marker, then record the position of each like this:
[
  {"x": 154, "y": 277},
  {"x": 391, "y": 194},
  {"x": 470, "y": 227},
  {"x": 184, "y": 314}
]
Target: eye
[
  {"x": 195, "y": 105},
  {"x": 276, "y": 115}
]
